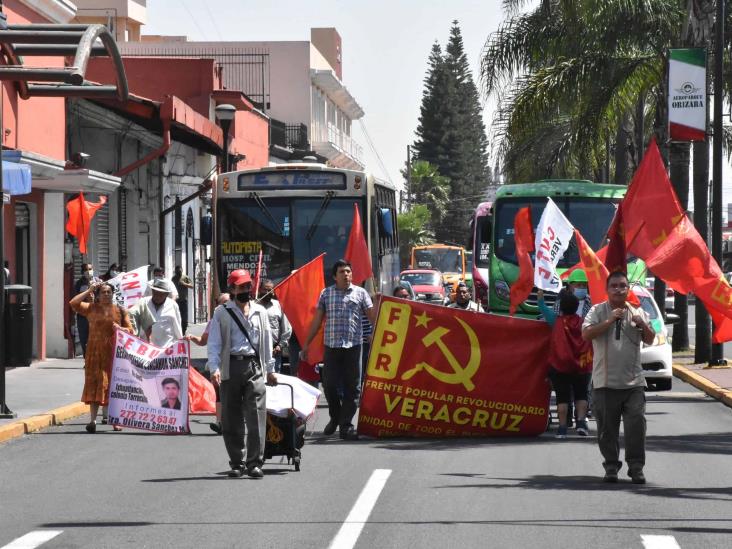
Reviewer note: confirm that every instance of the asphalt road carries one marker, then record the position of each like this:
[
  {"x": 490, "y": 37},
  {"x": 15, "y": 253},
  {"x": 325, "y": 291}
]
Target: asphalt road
[{"x": 133, "y": 489}]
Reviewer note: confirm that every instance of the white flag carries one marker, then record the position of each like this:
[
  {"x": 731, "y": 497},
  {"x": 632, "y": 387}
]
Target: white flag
[
  {"x": 130, "y": 286},
  {"x": 552, "y": 238}
]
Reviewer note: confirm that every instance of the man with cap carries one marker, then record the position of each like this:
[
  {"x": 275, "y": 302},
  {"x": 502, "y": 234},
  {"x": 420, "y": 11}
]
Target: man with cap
[
  {"x": 166, "y": 328},
  {"x": 577, "y": 285},
  {"x": 239, "y": 355}
]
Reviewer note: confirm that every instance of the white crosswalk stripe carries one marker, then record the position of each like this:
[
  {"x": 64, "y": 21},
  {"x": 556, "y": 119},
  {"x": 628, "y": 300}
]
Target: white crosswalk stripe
[
  {"x": 32, "y": 539},
  {"x": 660, "y": 542}
]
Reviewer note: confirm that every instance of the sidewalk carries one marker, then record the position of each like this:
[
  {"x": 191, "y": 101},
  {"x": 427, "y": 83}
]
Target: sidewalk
[
  {"x": 716, "y": 382},
  {"x": 47, "y": 393}
]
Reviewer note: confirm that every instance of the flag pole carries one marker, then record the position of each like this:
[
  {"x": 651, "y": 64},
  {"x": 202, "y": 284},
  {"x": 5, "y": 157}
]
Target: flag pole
[{"x": 717, "y": 357}]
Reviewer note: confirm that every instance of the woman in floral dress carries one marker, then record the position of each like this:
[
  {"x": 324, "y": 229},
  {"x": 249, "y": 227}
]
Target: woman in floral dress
[{"x": 104, "y": 318}]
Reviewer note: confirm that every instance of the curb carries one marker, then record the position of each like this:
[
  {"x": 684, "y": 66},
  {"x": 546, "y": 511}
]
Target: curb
[
  {"x": 57, "y": 416},
  {"x": 702, "y": 383}
]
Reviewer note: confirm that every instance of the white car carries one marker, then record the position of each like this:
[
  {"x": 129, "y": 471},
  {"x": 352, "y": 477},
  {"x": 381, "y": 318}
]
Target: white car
[{"x": 656, "y": 357}]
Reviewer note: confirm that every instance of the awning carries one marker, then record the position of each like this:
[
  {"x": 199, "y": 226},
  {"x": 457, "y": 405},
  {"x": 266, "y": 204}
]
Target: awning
[
  {"x": 49, "y": 174},
  {"x": 16, "y": 178}
]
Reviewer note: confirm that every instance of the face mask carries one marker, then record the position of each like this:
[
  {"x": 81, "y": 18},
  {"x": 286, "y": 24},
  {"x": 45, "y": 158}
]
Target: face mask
[
  {"x": 267, "y": 298},
  {"x": 113, "y": 273},
  {"x": 89, "y": 274},
  {"x": 580, "y": 293},
  {"x": 243, "y": 297}
]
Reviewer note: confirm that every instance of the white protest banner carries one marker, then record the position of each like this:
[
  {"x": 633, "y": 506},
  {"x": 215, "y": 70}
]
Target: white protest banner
[
  {"x": 552, "y": 238},
  {"x": 149, "y": 386},
  {"x": 130, "y": 286}
]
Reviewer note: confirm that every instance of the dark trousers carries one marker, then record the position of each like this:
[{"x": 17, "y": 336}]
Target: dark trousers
[
  {"x": 342, "y": 374},
  {"x": 243, "y": 399},
  {"x": 82, "y": 325},
  {"x": 183, "y": 307},
  {"x": 610, "y": 406}
]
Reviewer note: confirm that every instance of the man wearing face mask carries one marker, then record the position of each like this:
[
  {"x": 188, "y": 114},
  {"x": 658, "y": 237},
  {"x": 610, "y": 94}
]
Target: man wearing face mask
[
  {"x": 278, "y": 323},
  {"x": 82, "y": 285},
  {"x": 239, "y": 356},
  {"x": 577, "y": 285}
]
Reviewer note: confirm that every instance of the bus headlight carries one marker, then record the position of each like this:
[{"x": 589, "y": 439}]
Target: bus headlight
[
  {"x": 502, "y": 290},
  {"x": 226, "y": 184}
]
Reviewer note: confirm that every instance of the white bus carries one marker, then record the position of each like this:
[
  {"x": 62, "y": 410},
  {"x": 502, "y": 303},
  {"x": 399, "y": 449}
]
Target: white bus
[{"x": 295, "y": 212}]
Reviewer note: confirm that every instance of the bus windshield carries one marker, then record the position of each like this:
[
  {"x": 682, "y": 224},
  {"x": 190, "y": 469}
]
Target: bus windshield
[
  {"x": 447, "y": 260},
  {"x": 592, "y": 217},
  {"x": 288, "y": 231}
]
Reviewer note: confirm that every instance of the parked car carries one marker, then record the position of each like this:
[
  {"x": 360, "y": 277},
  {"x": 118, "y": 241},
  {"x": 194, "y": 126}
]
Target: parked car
[
  {"x": 410, "y": 289},
  {"x": 656, "y": 357},
  {"x": 428, "y": 284},
  {"x": 669, "y": 301}
]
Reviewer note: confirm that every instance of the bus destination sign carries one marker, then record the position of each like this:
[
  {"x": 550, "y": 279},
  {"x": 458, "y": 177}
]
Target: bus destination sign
[{"x": 291, "y": 180}]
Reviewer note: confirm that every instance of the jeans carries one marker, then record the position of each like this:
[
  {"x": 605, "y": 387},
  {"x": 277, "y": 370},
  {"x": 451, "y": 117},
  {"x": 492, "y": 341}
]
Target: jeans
[
  {"x": 342, "y": 374},
  {"x": 243, "y": 399},
  {"x": 610, "y": 405}
]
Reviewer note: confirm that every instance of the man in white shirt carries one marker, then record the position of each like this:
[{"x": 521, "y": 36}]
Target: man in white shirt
[{"x": 166, "y": 328}]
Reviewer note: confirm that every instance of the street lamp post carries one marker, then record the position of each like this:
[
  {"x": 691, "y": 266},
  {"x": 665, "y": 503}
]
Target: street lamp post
[{"x": 225, "y": 114}]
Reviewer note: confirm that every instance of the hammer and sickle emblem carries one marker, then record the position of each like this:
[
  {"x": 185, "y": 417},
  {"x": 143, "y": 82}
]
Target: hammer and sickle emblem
[{"x": 459, "y": 375}]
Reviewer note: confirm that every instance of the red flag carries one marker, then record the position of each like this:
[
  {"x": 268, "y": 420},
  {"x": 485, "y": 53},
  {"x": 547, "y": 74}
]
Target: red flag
[
  {"x": 524, "y": 239},
  {"x": 298, "y": 296},
  {"x": 594, "y": 269},
  {"x": 616, "y": 255},
  {"x": 357, "y": 251},
  {"x": 258, "y": 275},
  {"x": 201, "y": 394},
  {"x": 81, "y": 213}
]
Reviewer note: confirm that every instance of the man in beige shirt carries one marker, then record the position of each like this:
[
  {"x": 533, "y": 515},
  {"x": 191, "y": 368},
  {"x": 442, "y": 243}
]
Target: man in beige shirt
[{"x": 616, "y": 330}]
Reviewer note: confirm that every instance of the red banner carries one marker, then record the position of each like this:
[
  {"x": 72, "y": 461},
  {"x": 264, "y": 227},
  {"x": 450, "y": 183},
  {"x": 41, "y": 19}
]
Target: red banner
[{"x": 429, "y": 375}]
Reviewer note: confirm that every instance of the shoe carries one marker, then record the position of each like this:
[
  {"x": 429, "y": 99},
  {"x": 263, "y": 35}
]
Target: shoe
[
  {"x": 236, "y": 472},
  {"x": 637, "y": 477},
  {"x": 215, "y": 427},
  {"x": 330, "y": 428},
  {"x": 255, "y": 472},
  {"x": 561, "y": 432},
  {"x": 610, "y": 476},
  {"x": 582, "y": 428},
  {"x": 349, "y": 434},
  {"x": 104, "y": 421},
  {"x": 91, "y": 427}
]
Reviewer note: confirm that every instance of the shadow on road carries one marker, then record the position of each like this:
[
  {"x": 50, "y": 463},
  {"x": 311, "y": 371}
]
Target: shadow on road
[
  {"x": 585, "y": 483},
  {"x": 699, "y": 443}
]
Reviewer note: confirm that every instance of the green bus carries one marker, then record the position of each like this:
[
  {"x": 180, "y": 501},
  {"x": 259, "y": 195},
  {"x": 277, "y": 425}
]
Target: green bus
[{"x": 589, "y": 206}]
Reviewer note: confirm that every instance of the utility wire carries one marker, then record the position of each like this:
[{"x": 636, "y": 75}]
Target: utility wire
[
  {"x": 210, "y": 16},
  {"x": 195, "y": 20},
  {"x": 376, "y": 153}
]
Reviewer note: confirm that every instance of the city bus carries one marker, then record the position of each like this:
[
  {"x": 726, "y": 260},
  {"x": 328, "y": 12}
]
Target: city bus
[
  {"x": 589, "y": 206},
  {"x": 294, "y": 212},
  {"x": 481, "y": 245},
  {"x": 450, "y": 260}
]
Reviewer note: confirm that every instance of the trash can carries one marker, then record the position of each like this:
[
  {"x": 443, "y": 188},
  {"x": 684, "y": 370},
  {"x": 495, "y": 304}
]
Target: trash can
[{"x": 18, "y": 325}]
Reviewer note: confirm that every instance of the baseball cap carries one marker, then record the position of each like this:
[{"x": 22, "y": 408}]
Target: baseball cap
[{"x": 240, "y": 276}]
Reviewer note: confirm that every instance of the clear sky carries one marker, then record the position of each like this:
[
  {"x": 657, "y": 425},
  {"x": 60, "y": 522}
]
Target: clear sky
[{"x": 385, "y": 49}]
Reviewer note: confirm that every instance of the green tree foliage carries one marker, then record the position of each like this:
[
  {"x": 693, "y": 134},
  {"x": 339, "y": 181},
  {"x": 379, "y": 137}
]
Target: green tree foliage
[
  {"x": 430, "y": 189},
  {"x": 451, "y": 135},
  {"x": 413, "y": 230}
]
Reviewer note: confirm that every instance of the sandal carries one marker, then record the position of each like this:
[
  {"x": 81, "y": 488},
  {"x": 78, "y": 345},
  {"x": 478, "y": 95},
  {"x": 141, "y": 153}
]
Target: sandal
[
  {"x": 91, "y": 427},
  {"x": 116, "y": 428}
]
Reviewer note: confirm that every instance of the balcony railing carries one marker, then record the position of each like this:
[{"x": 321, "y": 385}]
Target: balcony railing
[
  {"x": 340, "y": 140},
  {"x": 288, "y": 136}
]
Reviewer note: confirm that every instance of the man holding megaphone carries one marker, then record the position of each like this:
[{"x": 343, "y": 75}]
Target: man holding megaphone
[{"x": 616, "y": 329}]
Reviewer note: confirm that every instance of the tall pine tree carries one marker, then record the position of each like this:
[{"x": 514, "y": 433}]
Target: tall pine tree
[{"x": 451, "y": 135}]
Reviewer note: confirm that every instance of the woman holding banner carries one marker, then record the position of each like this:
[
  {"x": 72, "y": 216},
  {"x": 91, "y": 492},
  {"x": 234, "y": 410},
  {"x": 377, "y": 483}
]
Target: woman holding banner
[{"x": 104, "y": 318}]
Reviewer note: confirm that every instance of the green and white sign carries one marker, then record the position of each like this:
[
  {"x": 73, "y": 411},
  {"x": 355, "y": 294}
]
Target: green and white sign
[{"x": 687, "y": 94}]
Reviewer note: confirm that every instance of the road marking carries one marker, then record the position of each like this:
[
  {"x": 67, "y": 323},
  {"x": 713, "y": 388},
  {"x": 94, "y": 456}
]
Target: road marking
[
  {"x": 350, "y": 530},
  {"x": 660, "y": 542},
  {"x": 32, "y": 539}
]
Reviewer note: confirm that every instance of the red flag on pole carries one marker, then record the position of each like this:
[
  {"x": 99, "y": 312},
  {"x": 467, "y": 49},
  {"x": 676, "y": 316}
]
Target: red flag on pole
[
  {"x": 81, "y": 213},
  {"x": 524, "y": 239},
  {"x": 357, "y": 250},
  {"x": 616, "y": 255},
  {"x": 298, "y": 296}
]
